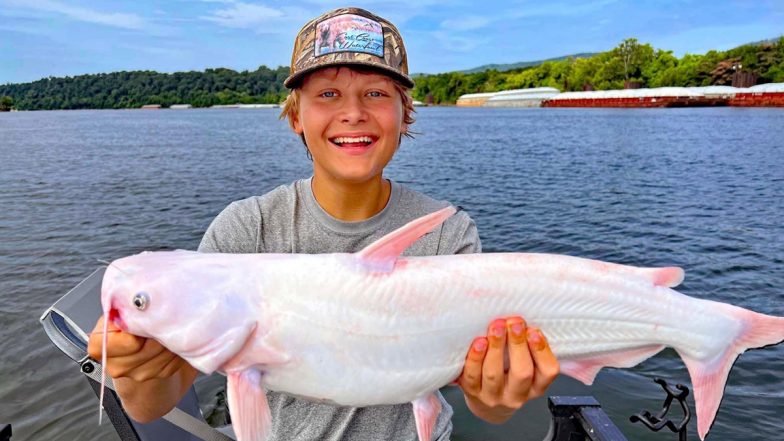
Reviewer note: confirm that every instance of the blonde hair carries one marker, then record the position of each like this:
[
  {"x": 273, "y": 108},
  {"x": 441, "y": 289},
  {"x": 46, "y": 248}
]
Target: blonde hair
[{"x": 291, "y": 107}]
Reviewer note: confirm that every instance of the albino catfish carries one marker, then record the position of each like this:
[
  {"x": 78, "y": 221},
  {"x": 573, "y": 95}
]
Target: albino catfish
[{"x": 376, "y": 328}]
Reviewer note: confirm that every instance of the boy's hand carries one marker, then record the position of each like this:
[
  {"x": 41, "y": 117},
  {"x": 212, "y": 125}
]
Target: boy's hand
[
  {"x": 149, "y": 378},
  {"x": 129, "y": 356},
  {"x": 493, "y": 393}
]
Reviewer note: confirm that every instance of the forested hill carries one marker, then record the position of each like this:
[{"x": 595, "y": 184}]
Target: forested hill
[
  {"x": 524, "y": 64},
  {"x": 134, "y": 89},
  {"x": 631, "y": 61}
]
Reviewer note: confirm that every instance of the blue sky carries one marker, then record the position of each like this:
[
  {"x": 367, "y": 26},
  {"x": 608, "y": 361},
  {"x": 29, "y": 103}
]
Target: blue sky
[{"x": 41, "y": 38}]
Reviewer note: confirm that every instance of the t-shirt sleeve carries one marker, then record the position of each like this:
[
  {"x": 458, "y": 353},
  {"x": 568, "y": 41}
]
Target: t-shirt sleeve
[
  {"x": 460, "y": 236},
  {"x": 235, "y": 230}
]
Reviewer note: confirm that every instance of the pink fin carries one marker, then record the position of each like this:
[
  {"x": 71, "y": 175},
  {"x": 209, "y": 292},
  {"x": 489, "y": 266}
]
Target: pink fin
[
  {"x": 382, "y": 254},
  {"x": 585, "y": 369},
  {"x": 709, "y": 378},
  {"x": 250, "y": 413},
  {"x": 426, "y": 410},
  {"x": 670, "y": 276}
]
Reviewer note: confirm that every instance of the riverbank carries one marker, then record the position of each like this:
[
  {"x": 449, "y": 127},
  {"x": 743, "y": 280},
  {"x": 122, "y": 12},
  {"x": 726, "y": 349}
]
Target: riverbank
[{"x": 761, "y": 95}]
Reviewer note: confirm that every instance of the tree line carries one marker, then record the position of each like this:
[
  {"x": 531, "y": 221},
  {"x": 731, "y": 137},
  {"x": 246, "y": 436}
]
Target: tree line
[
  {"x": 120, "y": 90},
  {"x": 629, "y": 62}
]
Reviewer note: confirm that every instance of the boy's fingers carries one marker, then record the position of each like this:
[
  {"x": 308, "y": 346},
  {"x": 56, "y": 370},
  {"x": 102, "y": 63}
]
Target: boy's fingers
[
  {"x": 471, "y": 379},
  {"x": 137, "y": 364},
  {"x": 118, "y": 343},
  {"x": 155, "y": 367},
  {"x": 174, "y": 365},
  {"x": 123, "y": 344},
  {"x": 521, "y": 364},
  {"x": 94, "y": 340},
  {"x": 493, "y": 366},
  {"x": 545, "y": 364}
]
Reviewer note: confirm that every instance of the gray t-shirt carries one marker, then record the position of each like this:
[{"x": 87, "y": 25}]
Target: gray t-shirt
[{"x": 289, "y": 220}]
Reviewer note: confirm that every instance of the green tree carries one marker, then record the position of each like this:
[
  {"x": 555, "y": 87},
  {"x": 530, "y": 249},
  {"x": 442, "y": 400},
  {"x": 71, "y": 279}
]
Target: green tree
[
  {"x": 633, "y": 56},
  {"x": 583, "y": 72},
  {"x": 6, "y": 103},
  {"x": 661, "y": 71}
]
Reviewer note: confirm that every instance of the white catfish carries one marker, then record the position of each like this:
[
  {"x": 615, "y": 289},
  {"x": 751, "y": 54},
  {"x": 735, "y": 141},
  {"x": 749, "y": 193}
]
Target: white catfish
[{"x": 376, "y": 328}]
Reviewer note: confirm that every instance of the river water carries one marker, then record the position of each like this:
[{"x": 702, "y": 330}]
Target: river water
[{"x": 698, "y": 188}]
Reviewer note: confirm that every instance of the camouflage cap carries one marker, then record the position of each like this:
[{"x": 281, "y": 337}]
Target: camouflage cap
[{"x": 349, "y": 36}]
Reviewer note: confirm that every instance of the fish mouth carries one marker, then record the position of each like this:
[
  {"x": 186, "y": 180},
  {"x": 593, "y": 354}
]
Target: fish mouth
[{"x": 116, "y": 319}]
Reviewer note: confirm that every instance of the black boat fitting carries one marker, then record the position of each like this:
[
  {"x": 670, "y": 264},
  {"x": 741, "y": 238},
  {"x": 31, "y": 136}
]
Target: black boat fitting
[{"x": 658, "y": 421}]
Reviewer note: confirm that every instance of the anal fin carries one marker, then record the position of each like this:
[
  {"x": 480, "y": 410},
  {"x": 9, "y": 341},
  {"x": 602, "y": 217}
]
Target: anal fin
[
  {"x": 585, "y": 369},
  {"x": 426, "y": 411},
  {"x": 250, "y": 413}
]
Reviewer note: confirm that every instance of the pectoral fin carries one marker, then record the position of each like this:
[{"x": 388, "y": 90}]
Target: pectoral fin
[
  {"x": 426, "y": 410},
  {"x": 250, "y": 413}
]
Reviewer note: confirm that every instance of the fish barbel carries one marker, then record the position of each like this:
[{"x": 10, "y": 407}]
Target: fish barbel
[{"x": 375, "y": 328}]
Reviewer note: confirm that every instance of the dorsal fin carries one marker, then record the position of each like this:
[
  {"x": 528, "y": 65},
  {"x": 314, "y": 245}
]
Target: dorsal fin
[{"x": 382, "y": 254}]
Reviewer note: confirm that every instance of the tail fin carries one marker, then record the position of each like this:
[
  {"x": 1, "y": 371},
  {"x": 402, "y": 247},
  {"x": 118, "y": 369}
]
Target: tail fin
[{"x": 710, "y": 378}]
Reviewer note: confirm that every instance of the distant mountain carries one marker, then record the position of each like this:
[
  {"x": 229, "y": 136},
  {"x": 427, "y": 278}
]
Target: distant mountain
[
  {"x": 768, "y": 41},
  {"x": 522, "y": 64}
]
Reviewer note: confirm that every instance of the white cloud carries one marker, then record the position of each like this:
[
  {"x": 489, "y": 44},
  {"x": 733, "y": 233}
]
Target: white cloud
[
  {"x": 473, "y": 22},
  {"x": 371, "y": 5},
  {"x": 465, "y": 23},
  {"x": 558, "y": 9},
  {"x": 114, "y": 19},
  {"x": 153, "y": 50},
  {"x": 455, "y": 43},
  {"x": 699, "y": 40},
  {"x": 20, "y": 30},
  {"x": 244, "y": 15}
]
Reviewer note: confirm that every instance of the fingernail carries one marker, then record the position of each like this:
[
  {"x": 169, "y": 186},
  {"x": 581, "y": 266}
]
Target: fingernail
[
  {"x": 498, "y": 331},
  {"x": 480, "y": 345},
  {"x": 536, "y": 338},
  {"x": 517, "y": 329}
]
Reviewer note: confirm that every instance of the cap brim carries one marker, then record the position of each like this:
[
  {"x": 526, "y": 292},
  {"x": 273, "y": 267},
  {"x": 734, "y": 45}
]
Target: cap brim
[{"x": 295, "y": 80}]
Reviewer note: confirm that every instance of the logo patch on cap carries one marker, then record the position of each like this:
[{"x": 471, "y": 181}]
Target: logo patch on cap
[{"x": 349, "y": 33}]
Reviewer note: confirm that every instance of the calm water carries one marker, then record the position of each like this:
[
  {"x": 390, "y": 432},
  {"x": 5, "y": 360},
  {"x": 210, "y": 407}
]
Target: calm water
[{"x": 699, "y": 188}]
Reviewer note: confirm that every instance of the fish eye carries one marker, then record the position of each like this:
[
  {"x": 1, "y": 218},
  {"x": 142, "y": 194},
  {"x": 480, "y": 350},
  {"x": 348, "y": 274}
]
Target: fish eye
[{"x": 141, "y": 300}]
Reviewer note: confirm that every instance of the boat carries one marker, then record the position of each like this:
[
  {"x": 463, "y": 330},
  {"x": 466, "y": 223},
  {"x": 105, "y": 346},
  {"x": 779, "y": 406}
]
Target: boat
[
  {"x": 761, "y": 95},
  {"x": 656, "y": 97},
  {"x": 474, "y": 99},
  {"x": 533, "y": 97}
]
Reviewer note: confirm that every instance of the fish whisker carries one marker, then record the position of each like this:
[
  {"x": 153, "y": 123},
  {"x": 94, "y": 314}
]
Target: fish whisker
[
  {"x": 112, "y": 264},
  {"x": 108, "y": 332}
]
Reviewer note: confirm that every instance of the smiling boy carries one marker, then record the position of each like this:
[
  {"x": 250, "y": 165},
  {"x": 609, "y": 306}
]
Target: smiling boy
[{"x": 350, "y": 103}]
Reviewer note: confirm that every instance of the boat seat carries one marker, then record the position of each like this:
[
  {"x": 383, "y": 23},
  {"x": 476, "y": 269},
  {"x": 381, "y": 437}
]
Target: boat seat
[{"x": 68, "y": 322}]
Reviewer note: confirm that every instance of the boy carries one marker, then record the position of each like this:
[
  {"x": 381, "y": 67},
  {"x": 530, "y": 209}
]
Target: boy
[{"x": 350, "y": 103}]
